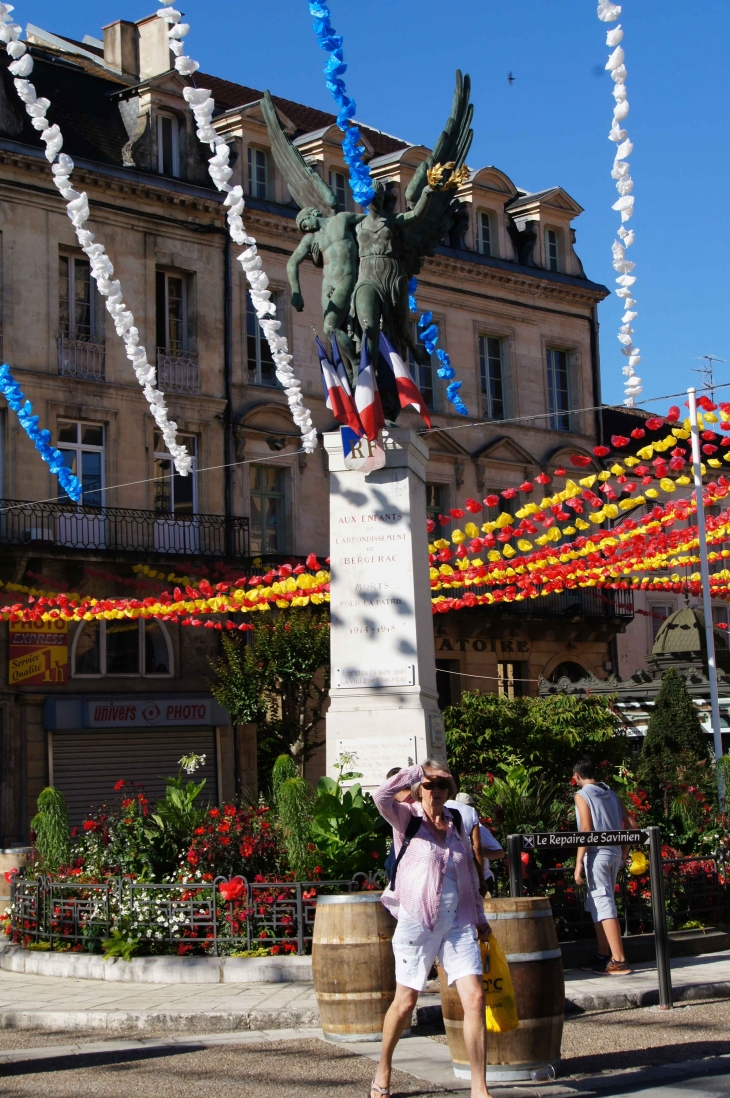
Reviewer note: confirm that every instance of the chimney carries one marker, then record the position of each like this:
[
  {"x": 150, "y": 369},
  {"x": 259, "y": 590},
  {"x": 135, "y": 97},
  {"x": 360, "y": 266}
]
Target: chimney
[
  {"x": 154, "y": 50},
  {"x": 121, "y": 48}
]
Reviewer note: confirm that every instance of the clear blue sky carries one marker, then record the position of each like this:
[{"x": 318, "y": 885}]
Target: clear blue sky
[{"x": 548, "y": 128}]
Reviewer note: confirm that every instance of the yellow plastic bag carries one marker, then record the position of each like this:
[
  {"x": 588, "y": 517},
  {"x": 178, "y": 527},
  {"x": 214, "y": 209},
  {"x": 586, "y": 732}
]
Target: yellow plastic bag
[{"x": 498, "y": 990}]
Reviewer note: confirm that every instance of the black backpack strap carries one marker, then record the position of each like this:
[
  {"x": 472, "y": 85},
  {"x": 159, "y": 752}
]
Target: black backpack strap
[{"x": 413, "y": 825}]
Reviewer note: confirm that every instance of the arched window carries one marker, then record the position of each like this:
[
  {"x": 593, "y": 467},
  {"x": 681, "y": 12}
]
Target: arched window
[
  {"x": 568, "y": 669},
  {"x": 484, "y": 233},
  {"x": 552, "y": 250},
  {"x": 122, "y": 646}
]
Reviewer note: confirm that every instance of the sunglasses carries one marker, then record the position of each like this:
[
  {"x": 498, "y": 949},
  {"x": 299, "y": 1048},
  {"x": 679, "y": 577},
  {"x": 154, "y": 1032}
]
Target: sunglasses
[{"x": 438, "y": 783}]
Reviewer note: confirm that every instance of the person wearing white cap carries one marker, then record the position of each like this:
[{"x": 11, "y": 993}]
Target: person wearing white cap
[{"x": 483, "y": 843}]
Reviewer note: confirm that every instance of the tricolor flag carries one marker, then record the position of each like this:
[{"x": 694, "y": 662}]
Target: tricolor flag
[
  {"x": 367, "y": 397},
  {"x": 408, "y": 392},
  {"x": 337, "y": 394}
]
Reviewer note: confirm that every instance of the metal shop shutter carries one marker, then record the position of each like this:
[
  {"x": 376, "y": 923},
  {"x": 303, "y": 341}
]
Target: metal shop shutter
[{"x": 87, "y": 765}]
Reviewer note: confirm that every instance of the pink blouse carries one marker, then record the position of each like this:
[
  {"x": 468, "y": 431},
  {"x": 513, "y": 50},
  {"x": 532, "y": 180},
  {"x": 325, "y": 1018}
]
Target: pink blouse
[{"x": 420, "y": 876}]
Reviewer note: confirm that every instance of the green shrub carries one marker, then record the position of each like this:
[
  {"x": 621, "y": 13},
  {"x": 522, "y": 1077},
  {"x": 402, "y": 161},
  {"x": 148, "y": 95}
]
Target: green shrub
[
  {"x": 51, "y": 830},
  {"x": 484, "y": 731}
]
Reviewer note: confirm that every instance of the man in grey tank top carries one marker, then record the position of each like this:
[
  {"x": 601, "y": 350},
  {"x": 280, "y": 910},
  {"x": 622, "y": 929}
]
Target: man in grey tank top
[{"x": 597, "y": 808}]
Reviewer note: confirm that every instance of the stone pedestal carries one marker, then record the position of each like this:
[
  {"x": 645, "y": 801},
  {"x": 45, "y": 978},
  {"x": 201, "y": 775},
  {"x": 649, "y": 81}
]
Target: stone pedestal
[{"x": 384, "y": 703}]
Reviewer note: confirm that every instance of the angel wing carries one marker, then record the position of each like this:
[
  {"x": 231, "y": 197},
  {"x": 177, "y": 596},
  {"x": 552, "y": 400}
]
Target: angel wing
[
  {"x": 454, "y": 143},
  {"x": 306, "y": 187},
  {"x": 420, "y": 239}
]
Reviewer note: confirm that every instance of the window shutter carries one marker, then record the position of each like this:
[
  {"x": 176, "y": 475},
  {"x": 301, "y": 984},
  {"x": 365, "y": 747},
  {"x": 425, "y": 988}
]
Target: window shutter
[{"x": 507, "y": 379}]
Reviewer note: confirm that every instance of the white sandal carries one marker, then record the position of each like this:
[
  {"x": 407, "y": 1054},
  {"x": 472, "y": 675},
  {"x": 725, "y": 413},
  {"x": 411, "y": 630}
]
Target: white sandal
[{"x": 385, "y": 1091}]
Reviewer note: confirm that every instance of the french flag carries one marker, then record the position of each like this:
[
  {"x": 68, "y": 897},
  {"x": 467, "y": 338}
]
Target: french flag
[
  {"x": 367, "y": 397},
  {"x": 408, "y": 392},
  {"x": 337, "y": 394}
]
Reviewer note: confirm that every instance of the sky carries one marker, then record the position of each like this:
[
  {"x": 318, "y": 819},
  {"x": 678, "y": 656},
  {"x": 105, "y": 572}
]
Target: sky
[{"x": 549, "y": 127}]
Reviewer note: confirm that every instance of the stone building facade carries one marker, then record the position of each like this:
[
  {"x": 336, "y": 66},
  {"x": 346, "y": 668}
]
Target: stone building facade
[{"x": 517, "y": 315}]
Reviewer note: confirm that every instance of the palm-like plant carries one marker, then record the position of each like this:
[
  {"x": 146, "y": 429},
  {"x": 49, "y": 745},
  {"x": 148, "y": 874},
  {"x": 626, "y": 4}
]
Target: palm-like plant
[{"x": 523, "y": 799}]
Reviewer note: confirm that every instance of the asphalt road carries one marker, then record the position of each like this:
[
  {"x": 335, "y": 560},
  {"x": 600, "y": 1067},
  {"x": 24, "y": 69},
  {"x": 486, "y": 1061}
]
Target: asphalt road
[{"x": 294, "y": 1069}]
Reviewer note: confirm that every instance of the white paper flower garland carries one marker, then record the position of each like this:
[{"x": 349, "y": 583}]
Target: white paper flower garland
[
  {"x": 609, "y": 12},
  {"x": 202, "y": 105},
  {"x": 77, "y": 207}
]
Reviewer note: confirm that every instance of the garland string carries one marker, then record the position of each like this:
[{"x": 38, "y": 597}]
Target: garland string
[
  {"x": 202, "y": 105},
  {"x": 77, "y": 208},
  {"x": 40, "y": 439},
  {"x": 609, "y": 12}
]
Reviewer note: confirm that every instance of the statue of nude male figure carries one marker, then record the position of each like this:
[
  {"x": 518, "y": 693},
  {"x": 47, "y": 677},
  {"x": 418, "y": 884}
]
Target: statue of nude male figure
[{"x": 331, "y": 244}]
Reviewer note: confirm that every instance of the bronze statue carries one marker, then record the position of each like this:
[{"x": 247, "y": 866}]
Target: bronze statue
[{"x": 360, "y": 297}]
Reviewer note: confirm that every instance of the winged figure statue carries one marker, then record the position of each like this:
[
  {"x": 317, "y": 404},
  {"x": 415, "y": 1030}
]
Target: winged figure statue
[{"x": 369, "y": 258}]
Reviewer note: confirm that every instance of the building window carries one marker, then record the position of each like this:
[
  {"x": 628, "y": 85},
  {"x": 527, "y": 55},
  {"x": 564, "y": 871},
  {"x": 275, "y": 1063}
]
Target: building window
[
  {"x": 82, "y": 446},
  {"x": 448, "y": 682},
  {"x": 174, "y": 494},
  {"x": 261, "y": 366},
  {"x": 172, "y": 313},
  {"x": 558, "y": 389},
  {"x": 492, "y": 377},
  {"x": 122, "y": 647},
  {"x": 338, "y": 186},
  {"x": 484, "y": 233},
  {"x": 437, "y": 502},
  {"x": 568, "y": 669},
  {"x": 552, "y": 251},
  {"x": 258, "y": 173},
  {"x": 168, "y": 145},
  {"x": 659, "y": 614},
  {"x": 79, "y": 309},
  {"x": 424, "y": 376},
  {"x": 512, "y": 679},
  {"x": 268, "y": 509}
]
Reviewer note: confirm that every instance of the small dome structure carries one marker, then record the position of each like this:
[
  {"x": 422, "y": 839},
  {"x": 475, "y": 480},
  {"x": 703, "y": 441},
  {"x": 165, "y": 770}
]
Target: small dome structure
[{"x": 684, "y": 631}]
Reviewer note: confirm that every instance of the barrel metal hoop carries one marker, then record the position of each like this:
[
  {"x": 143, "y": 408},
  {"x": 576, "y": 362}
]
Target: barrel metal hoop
[
  {"x": 536, "y": 1023},
  {"x": 373, "y": 940},
  {"x": 540, "y": 913},
  {"x": 339, "y": 996},
  {"x": 540, "y": 955},
  {"x": 360, "y": 898}
]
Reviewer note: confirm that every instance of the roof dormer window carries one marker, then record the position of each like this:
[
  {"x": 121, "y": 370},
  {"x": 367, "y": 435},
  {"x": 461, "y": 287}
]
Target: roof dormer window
[
  {"x": 258, "y": 173},
  {"x": 168, "y": 145},
  {"x": 338, "y": 185},
  {"x": 552, "y": 250},
  {"x": 484, "y": 233}
]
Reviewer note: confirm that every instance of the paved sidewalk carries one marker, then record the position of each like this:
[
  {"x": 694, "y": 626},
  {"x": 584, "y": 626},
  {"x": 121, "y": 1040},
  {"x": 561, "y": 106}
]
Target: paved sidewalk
[{"x": 46, "y": 1002}]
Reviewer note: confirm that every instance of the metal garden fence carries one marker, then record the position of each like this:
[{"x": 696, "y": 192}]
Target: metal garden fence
[{"x": 186, "y": 918}]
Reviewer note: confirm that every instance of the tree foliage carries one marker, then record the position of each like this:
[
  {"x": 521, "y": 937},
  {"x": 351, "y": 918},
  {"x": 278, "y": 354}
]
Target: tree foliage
[
  {"x": 522, "y": 800},
  {"x": 675, "y": 758},
  {"x": 484, "y": 731},
  {"x": 51, "y": 830},
  {"x": 280, "y": 683},
  {"x": 294, "y": 800}
]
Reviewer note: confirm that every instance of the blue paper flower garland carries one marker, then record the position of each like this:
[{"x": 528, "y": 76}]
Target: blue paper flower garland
[
  {"x": 360, "y": 183},
  {"x": 429, "y": 338},
  {"x": 40, "y": 439}
]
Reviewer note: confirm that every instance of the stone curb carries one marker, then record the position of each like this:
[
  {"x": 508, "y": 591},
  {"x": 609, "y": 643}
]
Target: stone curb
[
  {"x": 158, "y": 970},
  {"x": 184, "y": 1021},
  {"x": 627, "y": 1000}
]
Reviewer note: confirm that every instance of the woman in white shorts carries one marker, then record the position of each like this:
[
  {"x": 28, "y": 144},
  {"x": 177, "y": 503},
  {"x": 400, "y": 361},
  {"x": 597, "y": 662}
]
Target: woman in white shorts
[{"x": 435, "y": 898}]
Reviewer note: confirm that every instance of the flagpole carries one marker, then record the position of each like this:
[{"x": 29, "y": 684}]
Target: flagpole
[{"x": 706, "y": 596}]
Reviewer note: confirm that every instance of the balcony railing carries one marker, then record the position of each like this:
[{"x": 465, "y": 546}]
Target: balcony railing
[
  {"x": 581, "y": 604},
  {"x": 121, "y": 529},
  {"x": 82, "y": 358},
  {"x": 178, "y": 372}
]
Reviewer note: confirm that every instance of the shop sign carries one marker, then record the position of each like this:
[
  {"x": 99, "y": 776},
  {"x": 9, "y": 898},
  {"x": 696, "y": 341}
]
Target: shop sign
[
  {"x": 513, "y": 648},
  {"x": 38, "y": 653},
  {"x": 152, "y": 712}
]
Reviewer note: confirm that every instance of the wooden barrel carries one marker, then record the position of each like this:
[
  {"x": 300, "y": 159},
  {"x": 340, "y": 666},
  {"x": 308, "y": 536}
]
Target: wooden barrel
[
  {"x": 353, "y": 965},
  {"x": 525, "y": 929}
]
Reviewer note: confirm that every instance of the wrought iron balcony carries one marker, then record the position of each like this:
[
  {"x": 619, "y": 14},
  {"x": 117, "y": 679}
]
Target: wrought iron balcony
[
  {"x": 62, "y": 526},
  {"x": 178, "y": 371},
  {"x": 579, "y": 605},
  {"x": 82, "y": 358}
]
